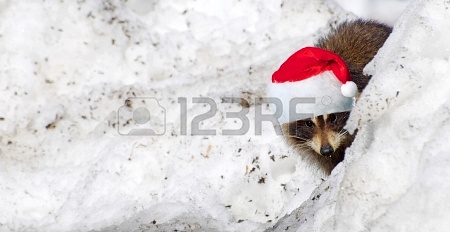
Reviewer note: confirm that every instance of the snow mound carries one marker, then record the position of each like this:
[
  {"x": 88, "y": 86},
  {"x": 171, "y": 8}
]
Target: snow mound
[
  {"x": 395, "y": 176},
  {"x": 67, "y": 71}
]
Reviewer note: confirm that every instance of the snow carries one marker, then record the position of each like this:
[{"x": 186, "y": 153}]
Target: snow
[
  {"x": 68, "y": 67},
  {"x": 394, "y": 177},
  {"x": 386, "y": 11}
]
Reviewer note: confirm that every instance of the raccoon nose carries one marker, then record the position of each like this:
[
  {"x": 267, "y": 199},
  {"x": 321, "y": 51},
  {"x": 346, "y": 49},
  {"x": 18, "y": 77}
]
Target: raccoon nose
[{"x": 326, "y": 150}]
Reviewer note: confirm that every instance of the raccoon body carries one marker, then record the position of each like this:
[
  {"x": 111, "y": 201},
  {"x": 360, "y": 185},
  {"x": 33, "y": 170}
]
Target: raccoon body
[
  {"x": 323, "y": 139},
  {"x": 356, "y": 42}
]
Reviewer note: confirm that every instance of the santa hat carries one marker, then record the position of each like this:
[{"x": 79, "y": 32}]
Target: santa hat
[{"x": 318, "y": 79}]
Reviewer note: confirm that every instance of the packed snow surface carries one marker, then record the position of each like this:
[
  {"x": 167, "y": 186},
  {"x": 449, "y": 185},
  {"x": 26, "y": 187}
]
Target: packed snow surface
[{"x": 69, "y": 163}]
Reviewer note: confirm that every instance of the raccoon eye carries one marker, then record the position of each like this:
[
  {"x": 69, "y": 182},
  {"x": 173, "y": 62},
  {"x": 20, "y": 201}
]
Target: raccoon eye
[
  {"x": 309, "y": 123},
  {"x": 333, "y": 117}
]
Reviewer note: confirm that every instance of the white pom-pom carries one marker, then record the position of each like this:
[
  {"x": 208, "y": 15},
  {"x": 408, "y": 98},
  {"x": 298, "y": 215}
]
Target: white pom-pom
[{"x": 349, "y": 89}]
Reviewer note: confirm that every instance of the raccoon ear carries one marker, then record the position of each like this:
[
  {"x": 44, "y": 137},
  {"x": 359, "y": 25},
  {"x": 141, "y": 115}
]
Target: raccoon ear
[{"x": 349, "y": 89}]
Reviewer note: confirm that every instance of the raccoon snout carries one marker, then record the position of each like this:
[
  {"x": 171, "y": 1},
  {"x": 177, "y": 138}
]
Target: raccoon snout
[{"x": 326, "y": 150}]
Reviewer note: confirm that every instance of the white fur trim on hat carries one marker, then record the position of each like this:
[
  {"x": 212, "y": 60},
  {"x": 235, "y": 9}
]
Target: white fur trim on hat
[{"x": 323, "y": 90}]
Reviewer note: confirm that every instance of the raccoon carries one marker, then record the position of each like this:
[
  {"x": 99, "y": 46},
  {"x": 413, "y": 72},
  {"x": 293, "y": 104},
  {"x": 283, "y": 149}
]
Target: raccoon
[{"x": 323, "y": 139}]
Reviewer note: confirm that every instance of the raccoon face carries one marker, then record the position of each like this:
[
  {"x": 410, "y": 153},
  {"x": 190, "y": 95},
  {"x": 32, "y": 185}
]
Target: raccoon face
[{"x": 322, "y": 137}]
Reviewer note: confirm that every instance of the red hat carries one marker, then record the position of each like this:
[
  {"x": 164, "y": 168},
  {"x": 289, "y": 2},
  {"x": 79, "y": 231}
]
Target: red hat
[{"x": 314, "y": 72}]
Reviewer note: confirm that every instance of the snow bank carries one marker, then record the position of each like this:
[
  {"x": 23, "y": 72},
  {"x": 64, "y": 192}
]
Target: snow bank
[
  {"x": 67, "y": 68},
  {"x": 386, "y": 11},
  {"x": 395, "y": 176},
  {"x": 406, "y": 113}
]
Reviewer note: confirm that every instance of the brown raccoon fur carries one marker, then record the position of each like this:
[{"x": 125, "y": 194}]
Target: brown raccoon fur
[
  {"x": 323, "y": 139},
  {"x": 356, "y": 42}
]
